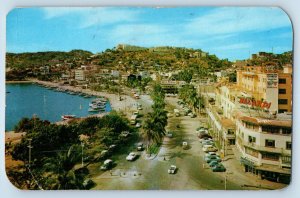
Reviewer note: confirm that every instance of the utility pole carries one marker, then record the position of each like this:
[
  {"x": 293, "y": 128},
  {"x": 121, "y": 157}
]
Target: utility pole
[
  {"x": 82, "y": 145},
  {"x": 29, "y": 153},
  {"x": 225, "y": 182}
]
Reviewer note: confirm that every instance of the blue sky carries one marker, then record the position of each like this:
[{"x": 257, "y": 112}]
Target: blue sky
[{"x": 228, "y": 32}]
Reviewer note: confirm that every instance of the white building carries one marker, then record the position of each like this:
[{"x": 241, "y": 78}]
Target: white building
[
  {"x": 79, "y": 74},
  {"x": 265, "y": 145}
]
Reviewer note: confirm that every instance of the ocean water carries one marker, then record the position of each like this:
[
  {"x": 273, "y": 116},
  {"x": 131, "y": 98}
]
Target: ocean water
[{"x": 26, "y": 100}]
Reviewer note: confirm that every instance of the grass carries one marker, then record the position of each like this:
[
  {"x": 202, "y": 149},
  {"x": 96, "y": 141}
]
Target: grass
[{"x": 153, "y": 149}]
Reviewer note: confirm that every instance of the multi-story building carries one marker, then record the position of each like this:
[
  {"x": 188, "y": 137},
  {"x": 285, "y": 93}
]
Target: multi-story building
[
  {"x": 265, "y": 144},
  {"x": 79, "y": 74},
  {"x": 268, "y": 83},
  {"x": 255, "y": 115}
]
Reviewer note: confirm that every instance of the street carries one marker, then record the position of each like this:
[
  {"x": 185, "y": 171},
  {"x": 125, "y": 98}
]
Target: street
[{"x": 151, "y": 172}]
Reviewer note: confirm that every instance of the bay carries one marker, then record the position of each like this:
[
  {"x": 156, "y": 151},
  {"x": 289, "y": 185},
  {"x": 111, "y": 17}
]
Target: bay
[{"x": 28, "y": 99}]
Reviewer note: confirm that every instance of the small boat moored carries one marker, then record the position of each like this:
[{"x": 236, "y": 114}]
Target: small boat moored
[{"x": 68, "y": 117}]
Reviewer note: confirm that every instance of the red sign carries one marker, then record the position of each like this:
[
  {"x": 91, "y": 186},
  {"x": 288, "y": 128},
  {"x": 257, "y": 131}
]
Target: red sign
[{"x": 255, "y": 103}]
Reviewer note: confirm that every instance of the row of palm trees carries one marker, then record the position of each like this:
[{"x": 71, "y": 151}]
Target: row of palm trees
[
  {"x": 154, "y": 126},
  {"x": 189, "y": 95}
]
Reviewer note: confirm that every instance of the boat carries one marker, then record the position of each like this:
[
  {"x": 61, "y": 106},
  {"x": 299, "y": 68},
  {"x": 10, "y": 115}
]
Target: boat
[
  {"x": 67, "y": 117},
  {"x": 96, "y": 109},
  {"x": 87, "y": 96}
]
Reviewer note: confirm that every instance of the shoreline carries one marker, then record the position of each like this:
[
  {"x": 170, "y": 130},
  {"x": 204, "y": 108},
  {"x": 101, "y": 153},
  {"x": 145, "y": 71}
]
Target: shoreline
[
  {"x": 126, "y": 105},
  {"x": 18, "y": 81}
]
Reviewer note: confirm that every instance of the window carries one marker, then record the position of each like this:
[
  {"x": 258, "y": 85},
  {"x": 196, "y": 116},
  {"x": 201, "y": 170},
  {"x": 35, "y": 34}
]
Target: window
[
  {"x": 270, "y": 143},
  {"x": 282, "y": 81},
  {"x": 270, "y": 129},
  {"x": 251, "y": 139},
  {"x": 270, "y": 156},
  {"x": 282, "y": 91},
  {"x": 286, "y": 131},
  {"x": 249, "y": 125},
  {"x": 288, "y": 145},
  {"x": 282, "y": 101}
]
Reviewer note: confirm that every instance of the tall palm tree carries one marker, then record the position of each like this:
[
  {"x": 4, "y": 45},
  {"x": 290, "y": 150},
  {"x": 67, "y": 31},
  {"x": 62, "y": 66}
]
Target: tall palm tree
[{"x": 65, "y": 176}]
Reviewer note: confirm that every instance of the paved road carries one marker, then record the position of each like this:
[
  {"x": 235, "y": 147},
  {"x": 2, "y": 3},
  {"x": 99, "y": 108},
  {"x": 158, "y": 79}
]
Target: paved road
[{"x": 151, "y": 173}]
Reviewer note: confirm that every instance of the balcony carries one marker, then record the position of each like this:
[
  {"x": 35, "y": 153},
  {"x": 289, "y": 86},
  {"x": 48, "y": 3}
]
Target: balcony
[{"x": 262, "y": 148}]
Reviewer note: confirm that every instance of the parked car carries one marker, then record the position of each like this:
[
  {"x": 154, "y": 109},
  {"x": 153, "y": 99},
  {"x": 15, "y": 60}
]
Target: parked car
[
  {"x": 213, "y": 163},
  {"x": 88, "y": 183},
  {"x": 169, "y": 134},
  {"x": 138, "y": 125},
  {"x": 218, "y": 168},
  {"x": 193, "y": 115},
  {"x": 132, "y": 156},
  {"x": 212, "y": 158},
  {"x": 104, "y": 153},
  {"x": 211, "y": 154},
  {"x": 172, "y": 169},
  {"x": 204, "y": 139},
  {"x": 208, "y": 142},
  {"x": 209, "y": 148},
  {"x": 203, "y": 135},
  {"x": 107, "y": 164},
  {"x": 140, "y": 146},
  {"x": 112, "y": 147},
  {"x": 185, "y": 145}
]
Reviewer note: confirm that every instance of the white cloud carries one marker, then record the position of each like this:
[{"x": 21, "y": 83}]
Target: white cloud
[
  {"x": 94, "y": 16},
  {"x": 232, "y": 20}
]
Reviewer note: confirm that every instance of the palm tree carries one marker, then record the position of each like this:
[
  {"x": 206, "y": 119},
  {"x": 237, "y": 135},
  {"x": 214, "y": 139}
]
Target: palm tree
[{"x": 65, "y": 176}]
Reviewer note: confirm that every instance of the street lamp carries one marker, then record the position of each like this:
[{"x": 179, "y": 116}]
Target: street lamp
[{"x": 82, "y": 145}]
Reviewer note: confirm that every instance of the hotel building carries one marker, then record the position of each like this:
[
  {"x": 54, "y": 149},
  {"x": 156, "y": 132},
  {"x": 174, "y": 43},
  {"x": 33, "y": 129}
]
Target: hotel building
[{"x": 255, "y": 114}]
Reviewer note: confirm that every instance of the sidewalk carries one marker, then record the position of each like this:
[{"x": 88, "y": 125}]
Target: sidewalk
[{"x": 235, "y": 172}]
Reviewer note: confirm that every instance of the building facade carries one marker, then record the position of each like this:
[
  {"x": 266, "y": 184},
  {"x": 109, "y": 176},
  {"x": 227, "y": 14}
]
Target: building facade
[
  {"x": 265, "y": 145},
  {"x": 268, "y": 83}
]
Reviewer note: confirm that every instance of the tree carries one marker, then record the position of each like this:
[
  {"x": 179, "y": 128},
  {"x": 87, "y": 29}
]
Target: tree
[{"x": 65, "y": 176}]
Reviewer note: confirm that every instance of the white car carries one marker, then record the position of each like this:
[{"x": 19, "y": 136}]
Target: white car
[
  {"x": 138, "y": 125},
  {"x": 140, "y": 146},
  {"x": 209, "y": 148},
  {"x": 185, "y": 145},
  {"x": 131, "y": 156},
  {"x": 107, "y": 164},
  {"x": 172, "y": 169}
]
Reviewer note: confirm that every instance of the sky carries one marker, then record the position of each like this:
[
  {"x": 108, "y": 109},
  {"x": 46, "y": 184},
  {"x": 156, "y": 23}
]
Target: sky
[{"x": 228, "y": 32}]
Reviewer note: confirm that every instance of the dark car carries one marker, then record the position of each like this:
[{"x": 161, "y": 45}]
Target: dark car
[
  {"x": 218, "y": 168},
  {"x": 88, "y": 184},
  {"x": 213, "y": 163}
]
